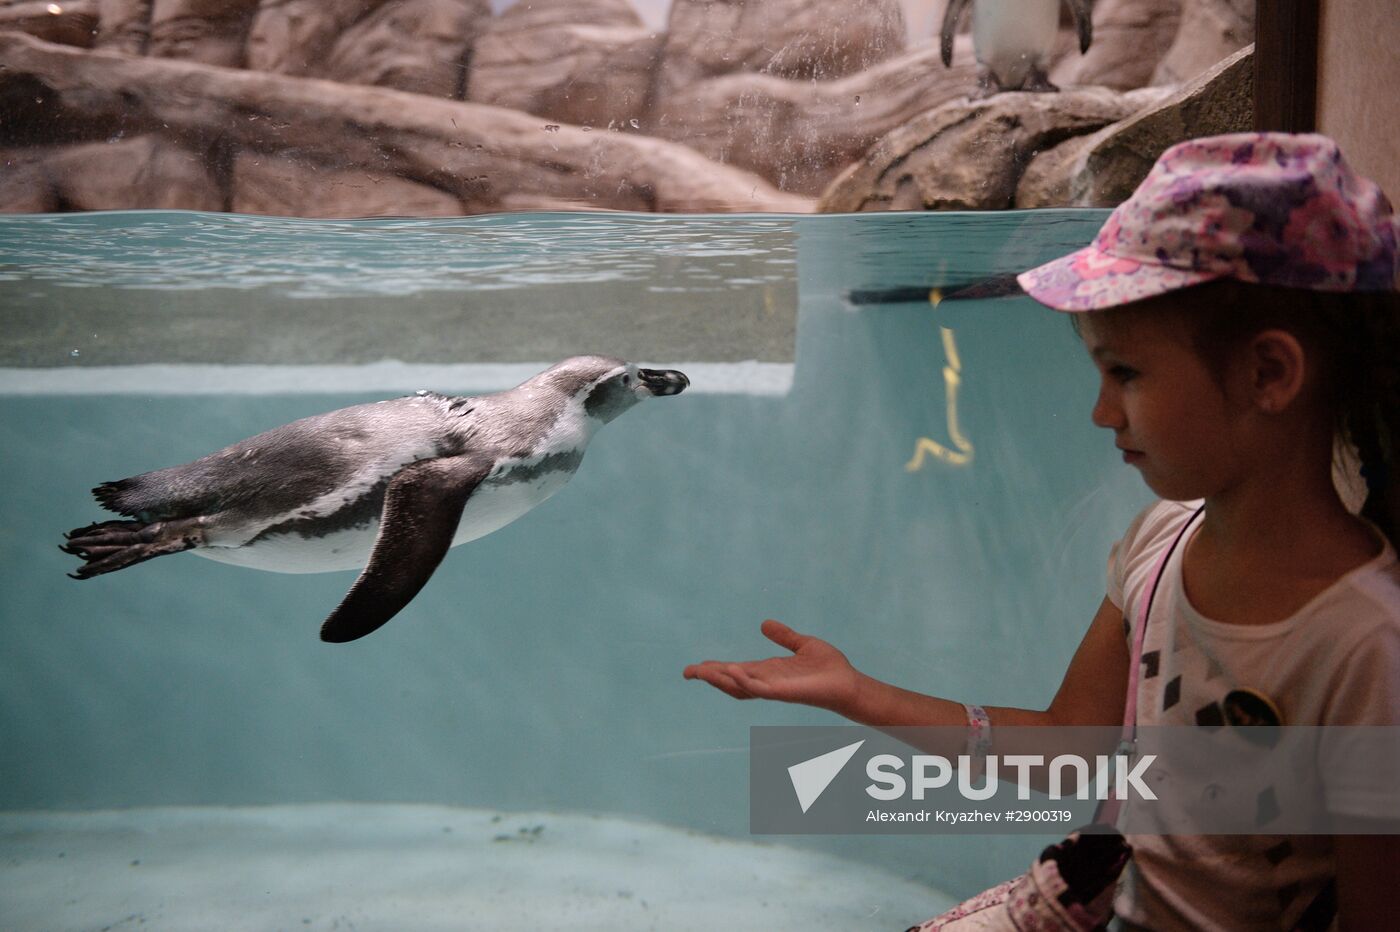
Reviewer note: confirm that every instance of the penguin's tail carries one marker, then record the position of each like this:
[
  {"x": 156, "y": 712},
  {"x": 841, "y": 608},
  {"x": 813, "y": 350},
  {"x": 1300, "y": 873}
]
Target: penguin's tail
[
  {"x": 114, "y": 545},
  {"x": 124, "y": 496},
  {"x": 110, "y": 495}
]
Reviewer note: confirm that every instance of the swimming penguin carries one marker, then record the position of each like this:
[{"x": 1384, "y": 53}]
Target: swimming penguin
[
  {"x": 388, "y": 486},
  {"x": 1013, "y": 39}
]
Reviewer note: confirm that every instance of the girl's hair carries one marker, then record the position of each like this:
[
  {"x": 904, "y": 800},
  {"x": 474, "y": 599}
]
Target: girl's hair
[{"x": 1357, "y": 337}]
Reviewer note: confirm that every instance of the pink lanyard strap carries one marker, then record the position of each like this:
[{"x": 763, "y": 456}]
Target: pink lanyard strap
[{"x": 1127, "y": 744}]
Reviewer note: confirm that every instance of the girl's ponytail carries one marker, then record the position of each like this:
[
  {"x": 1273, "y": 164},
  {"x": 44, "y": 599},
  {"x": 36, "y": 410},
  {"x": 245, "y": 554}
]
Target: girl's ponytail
[{"x": 1370, "y": 403}]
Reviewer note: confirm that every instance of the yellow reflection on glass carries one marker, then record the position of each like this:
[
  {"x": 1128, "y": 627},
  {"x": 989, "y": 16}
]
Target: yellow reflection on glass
[{"x": 960, "y": 454}]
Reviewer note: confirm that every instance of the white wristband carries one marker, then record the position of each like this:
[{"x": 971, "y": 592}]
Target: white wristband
[{"x": 979, "y": 737}]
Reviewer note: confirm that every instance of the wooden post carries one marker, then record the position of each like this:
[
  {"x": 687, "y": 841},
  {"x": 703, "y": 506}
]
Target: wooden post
[{"x": 1285, "y": 65}]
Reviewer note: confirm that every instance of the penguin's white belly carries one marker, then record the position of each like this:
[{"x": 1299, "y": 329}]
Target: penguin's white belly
[
  {"x": 291, "y": 553},
  {"x": 496, "y": 504},
  {"x": 492, "y": 506},
  {"x": 1011, "y": 38}
]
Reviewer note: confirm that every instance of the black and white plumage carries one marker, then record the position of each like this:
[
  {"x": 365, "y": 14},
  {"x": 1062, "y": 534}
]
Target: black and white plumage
[
  {"x": 1013, "y": 39},
  {"x": 389, "y": 486}
]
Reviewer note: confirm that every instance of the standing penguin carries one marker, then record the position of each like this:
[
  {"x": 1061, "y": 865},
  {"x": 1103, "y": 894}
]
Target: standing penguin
[
  {"x": 388, "y": 486},
  {"x": 1013, "y": 39}
]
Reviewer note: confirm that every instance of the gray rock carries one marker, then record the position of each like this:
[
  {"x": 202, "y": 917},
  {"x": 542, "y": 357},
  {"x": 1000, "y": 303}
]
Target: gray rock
[
  {"x": 24, "y": 184},
  {"x": 1049, "y": 178},
  {"x": 1211, "y": 30},
  {"x": 68, "y": 23},
  {"x": 801, "y": 134},
  {"x": 146, "y": 172},
  {"x": 1114, "y": 161},
  {"x": 1130, "y": 38},
  {"x": 210, "y": 31},
  {"x": 592, "y": 71},
  {"x": 295, "y": 36},
  {"x": 797, "y": 92},
  {"x": 267, "y": 183},
  {"x": 123, "y": 26},
  {"x": 412, "y": 45},
  {"x": 803, "y": 39},
  {"x": 527, "y": 16},
  {"x": 481, "y": 155},
  {"x": 1046, "y": 182},
  {"x": 969, "y": 155}
]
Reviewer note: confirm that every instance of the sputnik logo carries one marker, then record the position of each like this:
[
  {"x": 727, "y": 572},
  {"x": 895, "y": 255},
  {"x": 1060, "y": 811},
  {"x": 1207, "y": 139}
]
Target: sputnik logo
[{"x": 811, "y": 777}]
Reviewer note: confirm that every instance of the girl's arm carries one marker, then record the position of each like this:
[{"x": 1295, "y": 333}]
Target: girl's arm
[{"x": 818, "y": 674}]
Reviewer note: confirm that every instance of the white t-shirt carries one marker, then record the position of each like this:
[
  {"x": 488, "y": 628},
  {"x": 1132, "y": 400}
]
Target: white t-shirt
[{"x": 1335, "y": 662}]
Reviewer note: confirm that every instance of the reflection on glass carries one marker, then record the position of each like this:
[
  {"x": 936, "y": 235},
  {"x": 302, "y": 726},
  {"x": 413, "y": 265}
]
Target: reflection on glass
[{"x": 961, "y": 452}]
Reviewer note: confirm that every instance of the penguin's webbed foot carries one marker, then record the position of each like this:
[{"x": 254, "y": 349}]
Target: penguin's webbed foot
[
  {"x": 108, "y": 546},
  {"x": 103, "y": 527},
  {"x": 987, "y": 85},
  {"x": 1038, "y": 82}
]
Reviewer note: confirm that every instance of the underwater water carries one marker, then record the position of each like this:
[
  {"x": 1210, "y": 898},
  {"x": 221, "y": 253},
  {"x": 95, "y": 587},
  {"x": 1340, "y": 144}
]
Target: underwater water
[{"x": 918, "y": 484}]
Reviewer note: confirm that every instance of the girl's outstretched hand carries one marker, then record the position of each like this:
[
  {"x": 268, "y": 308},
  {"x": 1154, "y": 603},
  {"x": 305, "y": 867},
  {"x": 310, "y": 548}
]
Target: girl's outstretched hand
[{"x": 814, "y": 674}]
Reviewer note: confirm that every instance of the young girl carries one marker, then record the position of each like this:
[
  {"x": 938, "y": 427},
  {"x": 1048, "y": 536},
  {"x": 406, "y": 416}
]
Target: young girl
[{"x": 1241, "y": 310}]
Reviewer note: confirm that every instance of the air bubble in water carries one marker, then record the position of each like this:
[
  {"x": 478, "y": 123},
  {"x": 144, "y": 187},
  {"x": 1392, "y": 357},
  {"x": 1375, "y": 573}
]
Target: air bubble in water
[{"x": 74, "y": 354}]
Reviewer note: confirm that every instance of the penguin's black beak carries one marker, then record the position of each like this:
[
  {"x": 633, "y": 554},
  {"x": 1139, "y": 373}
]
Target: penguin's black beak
[{"x": 663, "y": 381}]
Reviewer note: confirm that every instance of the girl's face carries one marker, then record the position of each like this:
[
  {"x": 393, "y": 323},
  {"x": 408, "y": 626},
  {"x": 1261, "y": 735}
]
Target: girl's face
[{"x": 1169, "y": 415}]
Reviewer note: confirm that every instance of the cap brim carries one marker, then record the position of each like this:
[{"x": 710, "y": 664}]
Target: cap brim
[{"x": 1091, "y": 280}]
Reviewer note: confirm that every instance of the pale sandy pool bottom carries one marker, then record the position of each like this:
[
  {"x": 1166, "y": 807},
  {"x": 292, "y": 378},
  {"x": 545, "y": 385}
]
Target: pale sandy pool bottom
[{"x": 411, "y": 867}]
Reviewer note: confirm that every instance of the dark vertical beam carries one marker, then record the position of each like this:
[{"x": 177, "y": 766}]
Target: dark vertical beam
[{"x": 1285, "y": 65}]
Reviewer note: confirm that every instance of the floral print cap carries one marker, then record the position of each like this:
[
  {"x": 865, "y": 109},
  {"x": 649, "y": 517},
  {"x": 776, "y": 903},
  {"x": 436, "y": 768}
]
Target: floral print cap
[{"x": 1270, "y": 208}]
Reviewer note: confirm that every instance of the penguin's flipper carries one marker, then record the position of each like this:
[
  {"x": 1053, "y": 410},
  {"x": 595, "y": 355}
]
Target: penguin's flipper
[
  {"x": 422, "y": 507},
  {"x": 1083, "y": 21},
  {"x": 951, "y": 14}
]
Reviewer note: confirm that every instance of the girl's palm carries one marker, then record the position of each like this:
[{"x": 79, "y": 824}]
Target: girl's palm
[{"x": 814, "y": 674}]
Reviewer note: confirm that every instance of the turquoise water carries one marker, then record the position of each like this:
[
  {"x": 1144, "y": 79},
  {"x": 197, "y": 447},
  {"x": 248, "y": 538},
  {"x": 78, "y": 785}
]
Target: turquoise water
[{"x": 540, "y": 670}]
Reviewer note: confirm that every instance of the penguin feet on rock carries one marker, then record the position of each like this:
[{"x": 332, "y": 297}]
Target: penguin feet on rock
[
  {"x": 990, "y": 86},
  {"x": 987, "y": 85},
  {"x": 1038, "y": 82}
]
